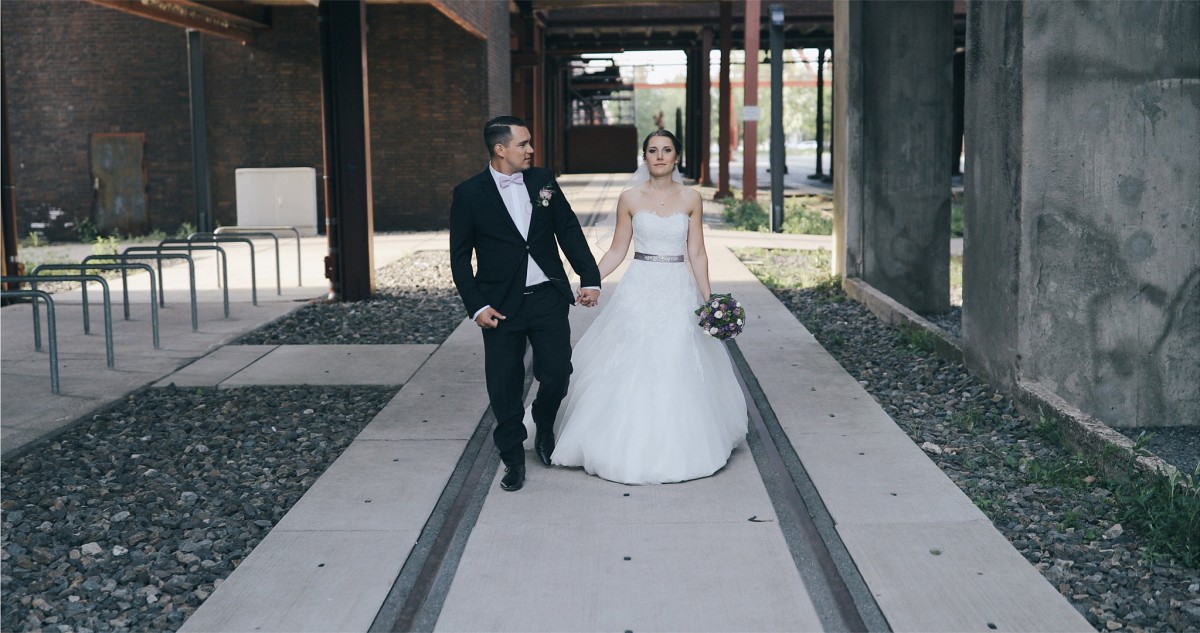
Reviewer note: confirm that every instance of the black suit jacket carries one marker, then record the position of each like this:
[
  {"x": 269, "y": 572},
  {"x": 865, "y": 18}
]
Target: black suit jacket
[{"x": 480, "y": 222}]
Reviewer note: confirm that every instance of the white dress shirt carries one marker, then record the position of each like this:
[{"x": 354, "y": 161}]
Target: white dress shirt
[{"x": 520, "y": 209}]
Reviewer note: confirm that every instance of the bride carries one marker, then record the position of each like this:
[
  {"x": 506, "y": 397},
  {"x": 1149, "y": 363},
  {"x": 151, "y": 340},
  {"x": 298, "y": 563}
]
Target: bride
[{"x": 653, "y": 398}]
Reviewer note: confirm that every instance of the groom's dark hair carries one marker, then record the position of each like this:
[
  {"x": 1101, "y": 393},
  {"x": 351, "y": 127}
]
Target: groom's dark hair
[{"x": 499, "y": 130}]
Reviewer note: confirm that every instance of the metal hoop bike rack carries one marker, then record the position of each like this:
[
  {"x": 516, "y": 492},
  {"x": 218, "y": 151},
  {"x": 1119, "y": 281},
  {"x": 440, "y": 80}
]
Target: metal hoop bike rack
[
  {"x": 83, "y": 279},
  {"x": 124, "y": 268},
  {"x": 51, "y": 328},
  {"x": 253, "y": 230}
]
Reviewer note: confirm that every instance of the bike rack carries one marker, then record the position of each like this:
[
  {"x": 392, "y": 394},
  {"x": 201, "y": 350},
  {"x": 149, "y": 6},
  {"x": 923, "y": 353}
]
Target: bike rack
[
  {"x": 51, "y": 329},
  {"x": 159, "y": 257},
  {"x": 223, "y": 265},
  {"x": 245, "y": 238},
  {"x": 124, "y": 268},
  {"x": 202, "y": 247},
  {"x": 37, "y": 335},
  {"x": 278, "y": 274},
  {"x": 249, "y": 230}
]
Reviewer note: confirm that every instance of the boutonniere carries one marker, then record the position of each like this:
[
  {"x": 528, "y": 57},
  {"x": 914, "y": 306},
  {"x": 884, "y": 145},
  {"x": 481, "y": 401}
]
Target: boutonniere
[{"x": 544, "y": 196}]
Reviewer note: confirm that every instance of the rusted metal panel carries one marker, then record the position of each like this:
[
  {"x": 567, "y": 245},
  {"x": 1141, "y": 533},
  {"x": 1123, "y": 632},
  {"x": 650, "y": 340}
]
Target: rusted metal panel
[{"x": 119, "y": 183}]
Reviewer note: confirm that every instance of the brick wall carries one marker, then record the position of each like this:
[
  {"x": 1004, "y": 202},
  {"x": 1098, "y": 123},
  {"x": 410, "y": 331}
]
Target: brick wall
[
  {"x": 499, "y": 61},
  {"x": 264, "y": 104},
  {"x": 74, "y": 69},
  {"x": 428, "y": 80}
]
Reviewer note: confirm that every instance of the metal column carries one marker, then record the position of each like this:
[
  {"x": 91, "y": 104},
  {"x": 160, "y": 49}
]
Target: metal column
[
  {"x": 725, "y": 106},
  {"x": 750, "y": 108},
  {"x": 778, "y": 156},
  {"x": 820, "y": 115},
  {"x": 348, "y": 206},
  {"x": 199, "y": 113}
]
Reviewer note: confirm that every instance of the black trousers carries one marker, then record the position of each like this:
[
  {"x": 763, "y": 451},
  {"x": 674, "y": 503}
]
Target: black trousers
[{"x": 542, "y": 323}]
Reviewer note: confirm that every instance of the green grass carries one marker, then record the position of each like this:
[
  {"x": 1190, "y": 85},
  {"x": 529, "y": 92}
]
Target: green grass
[
  {"x": 956, "y": 218},
  {"x": 802, "y": 215}
]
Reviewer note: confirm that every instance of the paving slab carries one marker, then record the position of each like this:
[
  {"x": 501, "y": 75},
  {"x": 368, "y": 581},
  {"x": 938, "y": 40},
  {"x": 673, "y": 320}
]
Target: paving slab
[
  {"x": 307, "y": 581},
  {"x": 680, "y": 577},
  {"x": 975, "y": 581},
  {"x": 696, "y": 561},
  {"x": 429, "y": 410},
  {"x": 333, "y": 365},
  {"x": 881, "y": 478},
  {"x": 375, "y": 486},
  {"x": 213, "y": 369}
]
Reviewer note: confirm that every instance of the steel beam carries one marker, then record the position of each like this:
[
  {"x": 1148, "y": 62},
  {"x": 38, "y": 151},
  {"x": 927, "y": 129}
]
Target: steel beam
[{"x": 348, "y": 204}]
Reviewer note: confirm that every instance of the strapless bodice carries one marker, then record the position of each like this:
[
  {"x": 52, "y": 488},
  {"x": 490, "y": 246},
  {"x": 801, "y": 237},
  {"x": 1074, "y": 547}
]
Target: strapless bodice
[{"x": 660, "y": 234}]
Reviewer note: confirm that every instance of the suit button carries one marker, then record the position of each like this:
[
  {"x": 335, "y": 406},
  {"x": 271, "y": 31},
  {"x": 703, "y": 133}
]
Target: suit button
[{"x": 526, "y": 247}]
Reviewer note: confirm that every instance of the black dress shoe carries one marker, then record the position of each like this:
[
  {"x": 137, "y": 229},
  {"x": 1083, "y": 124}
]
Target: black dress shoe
[
  {"x": 543, "y": 445},
  {"x": 514, "y": 478}
]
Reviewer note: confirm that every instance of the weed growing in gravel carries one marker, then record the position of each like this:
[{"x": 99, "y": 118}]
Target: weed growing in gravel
[
  {"x": 1165, "y": 509},
  {"x": 917, "y": 339}
]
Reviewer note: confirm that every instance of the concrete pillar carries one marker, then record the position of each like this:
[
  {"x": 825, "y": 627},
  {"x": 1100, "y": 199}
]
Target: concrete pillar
[
  {"x": 904, "y": 56},
  {"x": 992, "y": 190},
  {"x": 1100, "y": 187},
  {"x": 845, "y": 157}
]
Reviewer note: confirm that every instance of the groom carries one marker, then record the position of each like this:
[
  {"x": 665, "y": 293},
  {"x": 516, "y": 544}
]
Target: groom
[{"x": 510, "y": 216}]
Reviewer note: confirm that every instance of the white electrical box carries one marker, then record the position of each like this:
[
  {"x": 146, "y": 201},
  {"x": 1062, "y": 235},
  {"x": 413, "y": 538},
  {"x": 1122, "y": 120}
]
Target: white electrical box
[{"x": 281, "y": 196}]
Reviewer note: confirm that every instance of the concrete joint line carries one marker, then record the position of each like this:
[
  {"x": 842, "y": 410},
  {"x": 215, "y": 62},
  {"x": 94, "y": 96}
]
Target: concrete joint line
[
  {"x": 419, "y": 592},
  {"x": 842, "y": 598}
]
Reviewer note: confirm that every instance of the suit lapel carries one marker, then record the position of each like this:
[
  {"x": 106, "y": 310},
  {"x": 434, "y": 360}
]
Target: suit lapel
[
  {"x": 492, "y": 193},
  {"x": 532, "y": 187}
]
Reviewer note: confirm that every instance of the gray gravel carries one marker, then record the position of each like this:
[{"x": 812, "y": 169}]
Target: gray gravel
[
  {"x": 129, "y": 521},
  {"x": 415, "y": 302},
  {"x": 950, "y": 321},
  {"x": 1037, "y": 495}
]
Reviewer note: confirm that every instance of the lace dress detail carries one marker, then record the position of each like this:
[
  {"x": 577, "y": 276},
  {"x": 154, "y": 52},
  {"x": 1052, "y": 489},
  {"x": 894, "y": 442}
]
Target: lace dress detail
[{"x": 653, "y": 399}]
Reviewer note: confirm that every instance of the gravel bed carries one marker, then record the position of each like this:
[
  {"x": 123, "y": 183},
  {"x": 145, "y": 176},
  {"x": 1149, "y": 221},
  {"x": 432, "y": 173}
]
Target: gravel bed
[
  {"x": 415, "y": 302},
  {"x": 129, "y": 521},
  {"x": 1060, "y": 521},
  {"x": 950, "y": 321}
]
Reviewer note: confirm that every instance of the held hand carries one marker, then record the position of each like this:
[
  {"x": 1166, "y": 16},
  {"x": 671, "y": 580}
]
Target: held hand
[
  {"x": 588, "y": 298},
  {"x": 489, "y": 319}
]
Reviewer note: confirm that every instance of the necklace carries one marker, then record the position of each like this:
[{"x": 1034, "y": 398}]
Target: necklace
[{"x": 662, "y": 200}]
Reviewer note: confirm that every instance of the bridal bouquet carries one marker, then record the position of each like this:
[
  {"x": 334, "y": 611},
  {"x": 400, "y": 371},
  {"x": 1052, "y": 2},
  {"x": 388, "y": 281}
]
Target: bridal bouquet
[{"x": 722, "y": 317}]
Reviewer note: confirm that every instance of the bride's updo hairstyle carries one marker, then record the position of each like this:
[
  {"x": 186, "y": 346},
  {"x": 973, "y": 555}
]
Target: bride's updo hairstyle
[{"x": 674, "y": 141}]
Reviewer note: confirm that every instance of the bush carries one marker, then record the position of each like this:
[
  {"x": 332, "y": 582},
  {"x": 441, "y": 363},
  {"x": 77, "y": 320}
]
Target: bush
[
  {"x": 746, "y": 215},
  {"x": 808, "y": 215}
]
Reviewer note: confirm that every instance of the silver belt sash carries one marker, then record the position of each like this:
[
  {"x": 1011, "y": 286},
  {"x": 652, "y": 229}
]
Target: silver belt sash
[{"x": 670, "y": 259}]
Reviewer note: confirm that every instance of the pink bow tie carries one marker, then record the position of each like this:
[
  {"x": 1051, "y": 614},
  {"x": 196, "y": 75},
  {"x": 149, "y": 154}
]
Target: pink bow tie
[{"x": 517, "y": 178}]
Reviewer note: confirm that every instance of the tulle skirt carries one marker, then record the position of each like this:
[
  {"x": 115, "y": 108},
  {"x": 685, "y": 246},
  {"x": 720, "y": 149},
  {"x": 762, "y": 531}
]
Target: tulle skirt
[{"x": 653, "y": 399}]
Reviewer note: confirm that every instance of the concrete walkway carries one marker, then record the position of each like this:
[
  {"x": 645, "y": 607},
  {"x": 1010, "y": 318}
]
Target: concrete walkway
[{"x": 409, "y": 526}]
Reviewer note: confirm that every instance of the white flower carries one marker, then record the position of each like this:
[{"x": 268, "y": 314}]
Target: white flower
[
  {"x": 718, "y": 314},
  {"x": 715, "y": 304},
  {"x": 713, "y": 331},
  {"x": 740, "y": 322}
]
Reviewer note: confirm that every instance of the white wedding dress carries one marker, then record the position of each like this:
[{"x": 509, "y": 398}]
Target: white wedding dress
[{"x": 653, "y": 399}]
